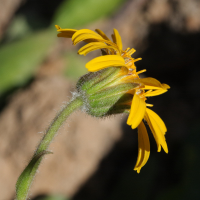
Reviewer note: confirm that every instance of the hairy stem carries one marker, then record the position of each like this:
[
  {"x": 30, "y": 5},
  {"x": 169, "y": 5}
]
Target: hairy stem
[
  {"x": 26, "y": 178},
  {"x": 57, "y": 123}
]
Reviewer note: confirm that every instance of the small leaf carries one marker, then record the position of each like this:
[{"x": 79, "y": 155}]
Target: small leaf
[{"x": 27, "y": 176}]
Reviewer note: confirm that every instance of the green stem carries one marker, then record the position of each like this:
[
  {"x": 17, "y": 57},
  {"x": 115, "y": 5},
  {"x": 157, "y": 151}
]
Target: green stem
[
  {"x": 57, "y": 123},
  {"x": 27, "y": 176}
]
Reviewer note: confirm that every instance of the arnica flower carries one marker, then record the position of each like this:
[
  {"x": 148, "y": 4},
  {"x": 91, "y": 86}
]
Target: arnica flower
[{"x": 114, "y": 86}]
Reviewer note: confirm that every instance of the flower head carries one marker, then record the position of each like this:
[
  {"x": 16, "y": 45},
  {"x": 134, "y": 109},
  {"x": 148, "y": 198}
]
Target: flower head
[{"x": 129, "y": 92}]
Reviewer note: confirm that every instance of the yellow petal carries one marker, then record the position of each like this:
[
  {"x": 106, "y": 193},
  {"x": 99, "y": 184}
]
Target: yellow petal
[
  {"x": 146, "y": 117},
  {"x": 143, "y": 147},
  {"x": 150, "y": 83},
  {"x": 105, "y": 61},
  {"x": 68, "y": 33},
  {"x": 117, "y": 39},
  {"x": 58, "y": 27},
  {"x": 137, "y": 112},
  {"x": 155, "y": 93},
  {"x": 165, "y": 86},
  {"x": 157, "y": 129},
  {"x": 94, "y": 46},
  {"x": 102, "y": 34},
  {"x": 158, "y": 120},
  {"x": 86, "y": 34}
]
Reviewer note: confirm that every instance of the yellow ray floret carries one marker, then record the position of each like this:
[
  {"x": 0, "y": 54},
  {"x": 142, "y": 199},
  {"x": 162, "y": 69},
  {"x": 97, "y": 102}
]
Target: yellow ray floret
[
  {"x": 105, "y": 61},
  {"x": 137, "y": 112},
  {"x": 157, "y": 129},
  {"x": 102, "y": 34},
  {"x": 65, "y": 32},
  {"x": 86, "y": 34},
  {"x": 89, "y": 36},
  {"x": 143, "y": 147},
  {"x": 151, "y": 93},
  {"x": 117, "y": 39},
  {"x": 94, "y": 46}
]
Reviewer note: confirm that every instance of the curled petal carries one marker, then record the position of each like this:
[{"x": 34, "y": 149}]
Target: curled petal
[
  {"x": 143, "y": 147},
  {"x": 86, "y": 34},
  {"x": 154, "y": 86},
  {"x": 117, "y": 39},
  {"x": 94, "y": 46},
  {"x": 158, "y": 120},
  {"x": 150, "y": 83},
  {"x": 137, "y": 112},
  {"x": 104, "y": 62},
  {"x": 68, "y": 33},
  {"x": 158, "y": 128},
  {"x": 155, "y": 92}
]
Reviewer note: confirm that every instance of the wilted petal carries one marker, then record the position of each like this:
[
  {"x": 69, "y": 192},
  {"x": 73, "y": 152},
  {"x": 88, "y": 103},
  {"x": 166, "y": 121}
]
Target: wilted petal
[
  {"x": 143, "y": 147},
  {"x": 137, "y": 112},
  {"x": 105, "y": 61},
  {"x": 157, "y": 127}
]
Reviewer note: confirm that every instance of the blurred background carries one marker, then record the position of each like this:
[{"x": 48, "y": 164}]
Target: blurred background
[{"x": 94, "y": 159}]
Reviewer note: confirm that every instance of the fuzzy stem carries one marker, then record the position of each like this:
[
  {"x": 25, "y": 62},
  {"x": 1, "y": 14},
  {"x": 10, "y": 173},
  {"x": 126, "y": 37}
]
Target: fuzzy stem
[
  {"x": 57, "y": 123},
  {"x": 26, "y": 178}
]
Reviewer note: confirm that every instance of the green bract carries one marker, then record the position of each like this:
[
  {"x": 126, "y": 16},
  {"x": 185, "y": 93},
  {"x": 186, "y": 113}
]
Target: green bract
[{"x": 105, "y": 93}]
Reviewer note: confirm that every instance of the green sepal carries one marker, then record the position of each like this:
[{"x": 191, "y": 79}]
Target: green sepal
[
  {"x": 110, "y": 100},
  {"x": 106, "y": 92},
  {"x": 104, "y": 81},
  {"x": 118, "y": 99},
  {"x": 117, "y": 109},
  {"x": 112, "y": 91},
  {"x": 126, "y": 98},
  {"x": 108, "y": 110},
  {"x": 100, "y": 102},
  {"x": 91, "y": 79}
]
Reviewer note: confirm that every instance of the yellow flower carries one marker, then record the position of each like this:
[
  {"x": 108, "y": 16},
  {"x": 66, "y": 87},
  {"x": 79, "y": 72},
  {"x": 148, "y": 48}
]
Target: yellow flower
[{"x": 114, "y": 56}]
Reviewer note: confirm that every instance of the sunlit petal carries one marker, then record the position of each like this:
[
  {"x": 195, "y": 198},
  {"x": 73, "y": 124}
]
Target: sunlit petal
[
  {"x": 68, "y": 33},
  {"x": 155, "y": 93},
  {"x": 146, "y": 117},
  {"x": 157, "y": 129},
  {"x": 94, "y": 46},
  {"x": 86, "y": 34},
  {"x": 165, "y": 86},
  {"x": 150, "y": 83},
  {"x": 104, "y": 62},
  {"x": 137, "y": 111},
  {"x": 158, "y": 120},
  {"x": 143, "y": 147},
  {"x": 102, "y": 34},
  {"x": 117, "y": 39}
]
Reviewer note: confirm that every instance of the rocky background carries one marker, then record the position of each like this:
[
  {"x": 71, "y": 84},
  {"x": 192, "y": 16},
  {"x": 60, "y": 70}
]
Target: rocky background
[{"x": 93, "y": 159}]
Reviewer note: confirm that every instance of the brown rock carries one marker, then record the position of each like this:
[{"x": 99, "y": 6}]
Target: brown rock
[{"x": 80, "y": 145}]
